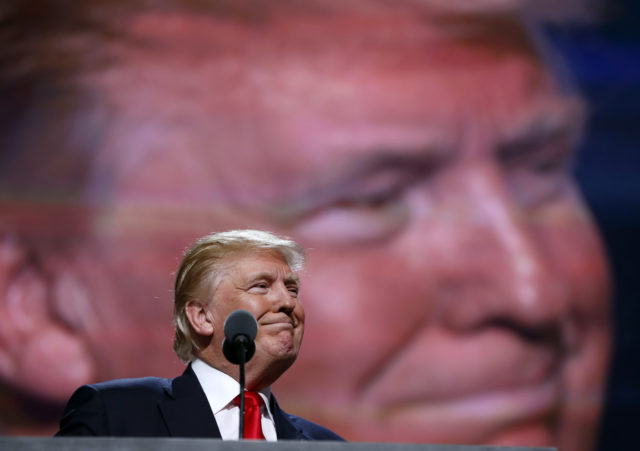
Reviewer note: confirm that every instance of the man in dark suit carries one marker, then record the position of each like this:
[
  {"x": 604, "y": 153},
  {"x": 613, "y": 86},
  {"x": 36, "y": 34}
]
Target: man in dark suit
[{"x": 220, "y": 273}]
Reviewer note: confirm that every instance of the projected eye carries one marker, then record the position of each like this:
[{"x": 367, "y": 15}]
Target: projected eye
[
  {"x": 356, "y": 219},
  {"x": 370, "y": 204},
  {"x": 541, "y": 175}
]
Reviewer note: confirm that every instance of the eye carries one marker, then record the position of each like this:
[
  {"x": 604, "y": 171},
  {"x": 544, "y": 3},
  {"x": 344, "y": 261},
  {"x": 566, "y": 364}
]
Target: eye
[
  {"x": 294, "y": 290},
  {"x": 540, "y": 175},
  {"x": 259, "y": 287},
  {"x": 353, "y": 223},
  {"x": 371, "y": 205}
]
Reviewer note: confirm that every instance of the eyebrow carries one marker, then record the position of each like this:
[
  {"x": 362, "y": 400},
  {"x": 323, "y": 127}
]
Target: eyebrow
[
  {"x": 292, "y": 278},
  {"x": 270, "y": 276}
]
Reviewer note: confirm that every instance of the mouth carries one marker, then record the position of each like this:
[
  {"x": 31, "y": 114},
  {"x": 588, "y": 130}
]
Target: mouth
[
  {"x": 511, "y": 405},
  {"x": 278, "y": 326},
  {"x": 524, "y": 416},
  {"x": 489, "y": 384},
  {"x": 283, "y": 322}
]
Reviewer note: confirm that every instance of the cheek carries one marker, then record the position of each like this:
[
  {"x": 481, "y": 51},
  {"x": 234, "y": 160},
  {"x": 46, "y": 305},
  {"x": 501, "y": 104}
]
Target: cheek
[
  {"x": 577, "y": 255},
  {"x": 256, "y": 305},
  {"x": 299, "y": 313},
  {"x": 361, "y": 306}
]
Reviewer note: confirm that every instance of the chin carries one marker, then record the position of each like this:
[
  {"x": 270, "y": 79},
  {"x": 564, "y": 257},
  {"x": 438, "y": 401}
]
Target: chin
[{"x": 282, "y": 347}]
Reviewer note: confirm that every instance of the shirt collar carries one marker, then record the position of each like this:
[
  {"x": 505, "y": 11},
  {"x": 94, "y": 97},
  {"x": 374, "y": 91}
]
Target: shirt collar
[{"x": 220, "y": 388}]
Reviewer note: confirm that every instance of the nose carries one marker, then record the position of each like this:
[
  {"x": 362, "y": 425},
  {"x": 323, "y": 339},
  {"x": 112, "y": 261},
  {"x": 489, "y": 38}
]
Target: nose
[
  {"x": 282, "y": 299},
  {"x": 494, "y": 267}
]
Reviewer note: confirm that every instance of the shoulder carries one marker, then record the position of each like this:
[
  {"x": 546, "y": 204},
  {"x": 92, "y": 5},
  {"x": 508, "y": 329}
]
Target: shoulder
[
  {"x": 119, "y": 394},
  {"x": 143, "y": 387},
  {"x": 127, "y": 391},
  {"x": 98, "y": 409}
]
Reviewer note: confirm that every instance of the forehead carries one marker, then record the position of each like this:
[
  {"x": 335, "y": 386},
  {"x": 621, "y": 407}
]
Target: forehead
[
  {"x": 243, "y": 264},
  {"x": 205, "y": 107},
  {"x": 228, "y": 69}
]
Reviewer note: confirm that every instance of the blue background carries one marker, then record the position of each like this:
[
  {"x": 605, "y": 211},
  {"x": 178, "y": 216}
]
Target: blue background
[{"x": 605, "y": 59}]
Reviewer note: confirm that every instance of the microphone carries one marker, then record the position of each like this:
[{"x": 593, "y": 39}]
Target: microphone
[
  {"x": 238, "y": 346},
  {"x": 240, "y": 330}
]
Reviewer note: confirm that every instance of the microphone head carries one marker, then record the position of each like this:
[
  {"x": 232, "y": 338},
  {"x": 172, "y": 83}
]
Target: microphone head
[
  {"x": 240, "y": 330},
  {"x": 238, "y": 353},
  {"x": 240, "y": 322}
]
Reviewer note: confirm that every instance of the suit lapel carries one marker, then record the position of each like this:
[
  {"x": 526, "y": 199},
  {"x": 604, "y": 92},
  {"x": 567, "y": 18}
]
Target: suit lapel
[
  {"x": 285, "y": 430},
  {"x": 186, "y": 411}
]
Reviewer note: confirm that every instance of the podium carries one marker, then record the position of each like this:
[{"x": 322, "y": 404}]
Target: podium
[{"x": 195, "y": 444}]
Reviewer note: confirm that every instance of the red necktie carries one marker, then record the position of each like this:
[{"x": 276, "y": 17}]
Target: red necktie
[{"x": 252, "y": 414}]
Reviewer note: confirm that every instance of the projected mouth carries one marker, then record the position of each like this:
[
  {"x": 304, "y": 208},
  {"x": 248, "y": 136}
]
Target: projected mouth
[{"x": 490, "y": 378}]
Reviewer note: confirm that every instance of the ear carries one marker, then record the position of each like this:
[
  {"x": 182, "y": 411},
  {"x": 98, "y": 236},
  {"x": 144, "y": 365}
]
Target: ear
[{"x": 200, "y": 318}]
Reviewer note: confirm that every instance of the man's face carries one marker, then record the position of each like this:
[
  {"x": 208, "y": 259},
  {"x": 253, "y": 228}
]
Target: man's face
[
  {"x": 456, "y": 289},
  {"x": 263, "y": 284}
]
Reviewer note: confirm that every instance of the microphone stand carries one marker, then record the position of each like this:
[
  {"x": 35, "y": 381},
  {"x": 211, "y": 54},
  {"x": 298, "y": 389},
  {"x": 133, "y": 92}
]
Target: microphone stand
[
  {"x": 238, "y": 346},
  {"x": 242, "y": 353}
]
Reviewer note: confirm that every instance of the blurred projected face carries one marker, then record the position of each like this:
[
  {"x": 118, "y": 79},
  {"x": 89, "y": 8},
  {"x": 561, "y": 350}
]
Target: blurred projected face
[{"x": 455, "y": 290}]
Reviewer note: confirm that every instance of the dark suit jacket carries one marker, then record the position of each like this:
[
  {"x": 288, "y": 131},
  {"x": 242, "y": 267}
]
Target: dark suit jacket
[{"x": 156, "y": 407}]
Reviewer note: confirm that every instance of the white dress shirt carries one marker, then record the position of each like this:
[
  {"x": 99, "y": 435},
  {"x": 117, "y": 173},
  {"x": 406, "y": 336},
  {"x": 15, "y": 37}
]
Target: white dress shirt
[{"x": 220, "y": 390}]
